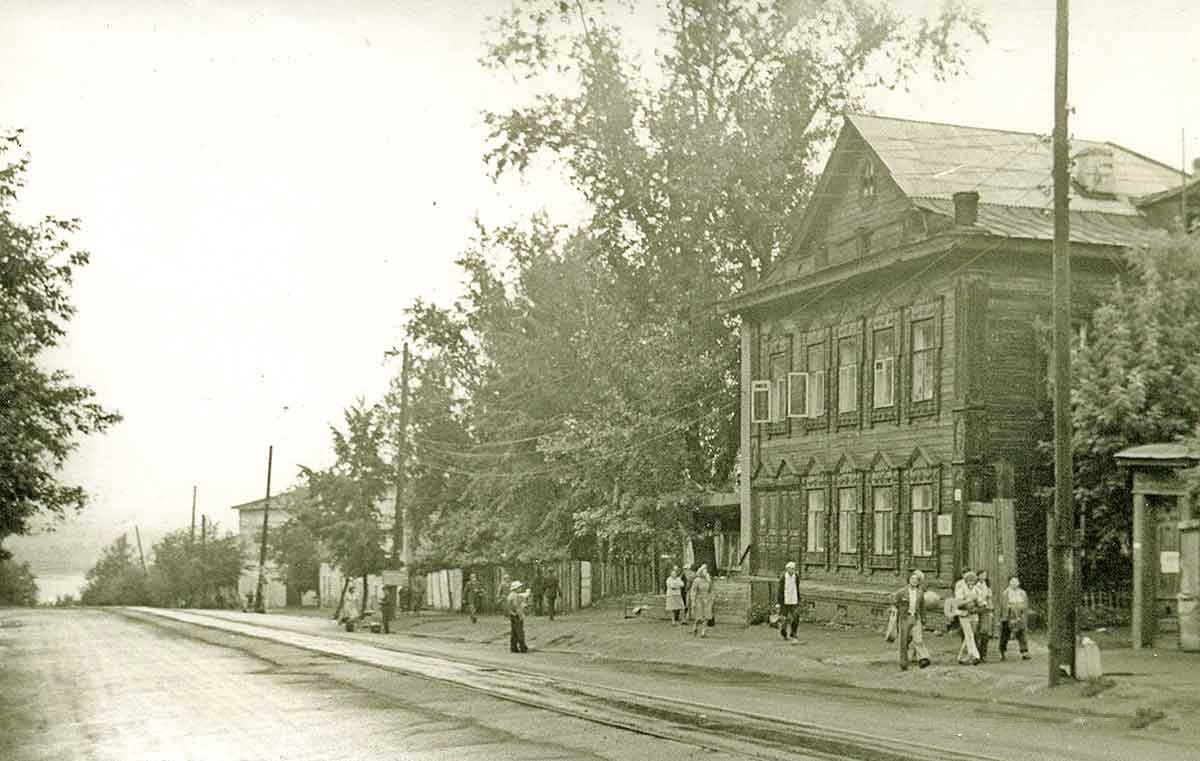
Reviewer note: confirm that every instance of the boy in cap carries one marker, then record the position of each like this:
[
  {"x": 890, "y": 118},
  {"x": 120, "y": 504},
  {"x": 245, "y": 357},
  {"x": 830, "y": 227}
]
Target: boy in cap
[
  {"x": 788, "y": 600},
  {"x": 516, "y": 617}
]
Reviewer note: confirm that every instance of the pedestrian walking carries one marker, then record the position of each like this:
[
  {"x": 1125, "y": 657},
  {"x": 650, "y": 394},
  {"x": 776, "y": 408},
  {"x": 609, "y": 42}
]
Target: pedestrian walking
[
  {"x": 473, "y": 596},
  {"x": 966, "y": 607},
  {"x": 417, "y": 592},
  {"x": 675, "y": 592},
  {"x": 700, "y": 601},
  {"x": 788, "y": 600},
  {"x": 350, "y": 609},
  {"x": 1014, "y": 617},
  {"x": 516, "y": 617},
  {"x": 535, "y": 588},
  {"x": 983, "y": 595},
  {"x": 689, "y": 574},
  {"x": 910, "y": 621},
  {"x": 550, "y": 590}
]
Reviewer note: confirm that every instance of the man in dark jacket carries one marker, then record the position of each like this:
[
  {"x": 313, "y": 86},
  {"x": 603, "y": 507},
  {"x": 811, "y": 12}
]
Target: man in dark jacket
[
  {"x": 550, "y": 590},
  {"x": 788, "y": 600}
]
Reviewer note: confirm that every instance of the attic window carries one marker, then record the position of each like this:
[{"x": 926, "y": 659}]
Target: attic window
[{"x": 866, "y": 182}]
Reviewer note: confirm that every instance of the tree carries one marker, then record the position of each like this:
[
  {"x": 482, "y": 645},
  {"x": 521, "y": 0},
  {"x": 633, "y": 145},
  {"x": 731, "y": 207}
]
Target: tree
[
  {"x": 18, "y": 585},
  {"x": 1136, "y": 381},
  {"x": 296, "y": 550},
  {"x": 44, "y": 412},
  {"x": 191, "y": 573},
  {"x": 115, "y": 579},
  {"x": 346, "y": 495},
  {"x": 595, "y": 378}
]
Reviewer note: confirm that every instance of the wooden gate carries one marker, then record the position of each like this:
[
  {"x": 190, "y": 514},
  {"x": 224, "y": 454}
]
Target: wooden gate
[
  {"x": 991, "y": 539},
  {"x": 1165, "y": 552},
  {"x": 982, "y": 552},
  {"x": 780, "y": 530}
]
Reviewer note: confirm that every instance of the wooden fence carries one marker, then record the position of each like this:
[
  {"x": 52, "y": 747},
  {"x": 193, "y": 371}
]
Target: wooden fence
[
  {"x": 625, "y": 576},
  {"x": 580, "y": 582}
]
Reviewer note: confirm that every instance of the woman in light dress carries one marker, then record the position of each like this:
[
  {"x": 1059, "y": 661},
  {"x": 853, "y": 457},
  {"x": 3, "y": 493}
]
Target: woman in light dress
[
  {"x": 700, "y": 601},
  {"x": 966, "y": 601},
  {"x": 675, "y": 594}
]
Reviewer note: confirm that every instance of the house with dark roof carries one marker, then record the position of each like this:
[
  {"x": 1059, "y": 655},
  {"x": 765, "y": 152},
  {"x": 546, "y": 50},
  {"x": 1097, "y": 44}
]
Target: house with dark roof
[{"x": 893, "y": 381}]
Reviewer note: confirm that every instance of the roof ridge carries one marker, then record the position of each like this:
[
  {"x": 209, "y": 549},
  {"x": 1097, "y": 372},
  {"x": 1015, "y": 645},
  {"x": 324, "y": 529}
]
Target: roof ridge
[{"x": 932, "y": 123}]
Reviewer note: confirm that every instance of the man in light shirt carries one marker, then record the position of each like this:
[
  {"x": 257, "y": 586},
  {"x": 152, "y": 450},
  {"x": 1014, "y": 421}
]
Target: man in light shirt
[{"x": 788, "y": 600}]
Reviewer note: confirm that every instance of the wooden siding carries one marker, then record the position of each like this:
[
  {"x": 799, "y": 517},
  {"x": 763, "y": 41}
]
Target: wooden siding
[
  {"x": 1016, "y": 408},
  {"x": 835, "y": 451},
  {"x": 848, "y": 217}
]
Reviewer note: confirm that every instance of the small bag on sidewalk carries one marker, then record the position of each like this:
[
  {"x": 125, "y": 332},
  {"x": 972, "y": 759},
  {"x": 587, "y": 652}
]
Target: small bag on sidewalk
[{"x": 890, "y": 633}]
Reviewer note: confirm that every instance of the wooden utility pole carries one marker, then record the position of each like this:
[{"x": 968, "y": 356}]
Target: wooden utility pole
[
  {"x": 1183, "y": 215},
  {"x": 1062, "y": 526},
  {"x": 141, "y": 555},
  {"x": 259, "y": 604},
  {"x": 401, "y": 529},
  {"x": 192, "y": 534}
]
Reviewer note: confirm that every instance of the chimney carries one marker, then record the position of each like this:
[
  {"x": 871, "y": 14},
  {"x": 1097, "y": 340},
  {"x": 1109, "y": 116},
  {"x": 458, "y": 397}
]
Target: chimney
[{"x": 966, "y": 207}]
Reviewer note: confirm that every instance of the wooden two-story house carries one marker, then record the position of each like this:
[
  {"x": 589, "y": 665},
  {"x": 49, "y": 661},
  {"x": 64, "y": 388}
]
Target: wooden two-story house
[{"x": 893, "y": 380}]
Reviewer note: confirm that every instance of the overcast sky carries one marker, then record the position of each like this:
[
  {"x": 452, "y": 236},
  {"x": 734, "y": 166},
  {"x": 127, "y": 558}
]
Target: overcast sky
[{"x": 265, "y": 185}]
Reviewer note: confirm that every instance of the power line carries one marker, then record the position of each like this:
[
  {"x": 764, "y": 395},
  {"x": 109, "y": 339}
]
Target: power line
[
  {"x": 565, "y": 467},
  {"x": 653, "y": 418}
]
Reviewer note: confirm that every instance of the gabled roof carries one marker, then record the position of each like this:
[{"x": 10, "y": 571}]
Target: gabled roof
[
  {"x": 930, "y": 160},
  {"x": 1011, "y": 171}
]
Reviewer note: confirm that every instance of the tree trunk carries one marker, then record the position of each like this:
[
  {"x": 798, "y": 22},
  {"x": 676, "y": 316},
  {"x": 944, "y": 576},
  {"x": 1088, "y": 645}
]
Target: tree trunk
[
  {"x": 363, "y": 607},
  {"x": 337, "y": 614}
]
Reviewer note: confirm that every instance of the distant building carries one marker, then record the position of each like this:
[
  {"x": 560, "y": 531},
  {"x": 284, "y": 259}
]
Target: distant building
[
  {"x": 893, "y": 384},
  {"x": 275, "y": 591},
  {"x": 250, "y": 522}
]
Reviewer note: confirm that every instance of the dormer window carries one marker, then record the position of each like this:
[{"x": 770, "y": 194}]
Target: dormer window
[{"x": 866, "y": 183}]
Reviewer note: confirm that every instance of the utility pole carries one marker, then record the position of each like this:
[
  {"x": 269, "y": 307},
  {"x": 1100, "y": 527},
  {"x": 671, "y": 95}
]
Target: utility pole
[
  {"x": 192, "y": 534},
  {"x": 141, "y": 555},
  {"x": 1183, "y": 217},
  {"x": 1062, "y": 526},
  {"x": 401, "y": 530},
  {"x": 259, "y": 604}
]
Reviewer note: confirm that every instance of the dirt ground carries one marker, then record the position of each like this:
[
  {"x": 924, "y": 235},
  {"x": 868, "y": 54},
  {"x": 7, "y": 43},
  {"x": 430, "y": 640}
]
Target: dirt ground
[{"x": 1154, "y": 689}]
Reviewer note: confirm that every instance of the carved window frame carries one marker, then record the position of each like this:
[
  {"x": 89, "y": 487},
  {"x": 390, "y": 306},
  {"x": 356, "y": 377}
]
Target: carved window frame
[
  {"x": 849, "y": 480},
  {"x": 817, "y": 483},
  {"x": 932, "y": 311},
  {"x": 778, "y": 351},
  {"x": 877, "y": 479},
  {"x": 821, "y": 339},
  {"x": 930, "y": 476},
  {"x": 850, "y": 419},
  {"x": 876, "y": 324}
]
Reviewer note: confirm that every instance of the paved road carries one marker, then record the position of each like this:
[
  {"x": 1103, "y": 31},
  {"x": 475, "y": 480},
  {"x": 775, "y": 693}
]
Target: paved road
[{"x": 89, "y": 684}]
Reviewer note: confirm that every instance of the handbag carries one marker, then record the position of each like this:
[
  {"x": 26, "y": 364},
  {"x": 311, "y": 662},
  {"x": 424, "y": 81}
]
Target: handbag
[{"x": 890, "y": 633}]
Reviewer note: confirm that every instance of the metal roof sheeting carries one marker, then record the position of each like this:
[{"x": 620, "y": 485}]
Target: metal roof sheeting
[
  {"x": 1038, "y": 224},
  {"x": 931, "y": 160}
]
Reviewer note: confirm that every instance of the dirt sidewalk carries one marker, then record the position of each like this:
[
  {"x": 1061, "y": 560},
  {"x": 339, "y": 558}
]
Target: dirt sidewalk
[{"x": 1158, "y": 689}]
